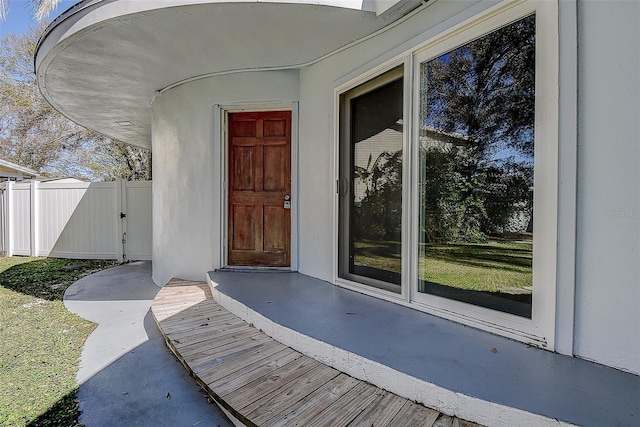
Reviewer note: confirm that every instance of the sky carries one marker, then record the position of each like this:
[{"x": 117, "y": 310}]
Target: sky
[{"x": 20, "y": 16}]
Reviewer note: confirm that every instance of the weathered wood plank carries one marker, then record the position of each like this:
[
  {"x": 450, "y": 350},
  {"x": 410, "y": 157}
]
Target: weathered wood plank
[
  {"x": 305, "y": 410},
  {"x": 381, "y": 411},
  {"x": 269, "y": 405},
  {"x": 202, "y": 361},
  {"x": 178, "y": 280},
  {"x": 167, "y": 302},
  {"x": 206, "y": 334},
  {"x": 176, "y": 295},
  {"x": 200, "y": 322},
  {"x": 217, "y": 330},
  {"x": 243, "y": 396},
  {"x": 206, "y": 327},
  {"x": 202, "y": 354},
  {"x": 211, "y": 346},
  {"x": 169, "y": 314},
  {"x": 181, "y": 292},
  {"x": 226, "y": 385},
  {"x": 184, "y": 315},
  {"x": 231, "y": 363},
  {"x": 188, "y": 312},
  {"x": 179, "y": 285},
  {"x": 345, "y": 409},
  {"x": 413, "y": 414}
]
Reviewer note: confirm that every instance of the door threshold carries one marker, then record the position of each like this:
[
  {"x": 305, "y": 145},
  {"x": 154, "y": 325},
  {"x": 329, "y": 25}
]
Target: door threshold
[{"x": 254, "y": 269}]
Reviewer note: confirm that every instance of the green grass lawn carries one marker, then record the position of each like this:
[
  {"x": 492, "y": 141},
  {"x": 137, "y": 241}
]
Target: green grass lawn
[
  {"x": 494, "y": 266},
  {"x": 41, "y": 340}
]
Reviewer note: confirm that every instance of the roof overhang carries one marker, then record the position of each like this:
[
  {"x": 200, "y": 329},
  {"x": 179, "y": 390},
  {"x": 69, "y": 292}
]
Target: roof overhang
[
  {"x": 13, "y": 171},
  {"x": 102, "y": 62}
]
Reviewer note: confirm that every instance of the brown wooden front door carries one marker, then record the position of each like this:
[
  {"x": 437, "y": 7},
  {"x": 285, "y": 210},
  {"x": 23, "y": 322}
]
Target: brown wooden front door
[{"x": 259, "y": 181}]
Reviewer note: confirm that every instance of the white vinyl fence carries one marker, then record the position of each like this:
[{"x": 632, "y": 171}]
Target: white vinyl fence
[{"x": 105, "y": 220}]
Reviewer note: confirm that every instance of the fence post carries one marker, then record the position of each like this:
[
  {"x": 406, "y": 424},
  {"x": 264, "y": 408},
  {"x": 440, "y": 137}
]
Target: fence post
[
  {"x": 120, "y": 210},
  {"x": 9, "y": 220},
  {"x": 3, "y": 219},
  {"x": 3, "y": 242},
  {"x": 35, "y": 213}
]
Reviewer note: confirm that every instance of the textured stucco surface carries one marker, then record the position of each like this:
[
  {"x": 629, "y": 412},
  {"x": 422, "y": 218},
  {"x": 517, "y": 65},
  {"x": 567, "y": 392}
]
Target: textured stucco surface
[
  {"x": 608, "y": 225},
  {"x": 187, "y": 184}
]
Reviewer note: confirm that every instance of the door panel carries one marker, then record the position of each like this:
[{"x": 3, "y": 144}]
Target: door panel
[
  {"x": 274, "y": 239},
  {"x": 243, "y": 227},
  {"x": 259, "y": 179},
  {"x": 275, "y": 127},
  {"x": 243, "y": 169},
  {"x": 274, "y": 163}
]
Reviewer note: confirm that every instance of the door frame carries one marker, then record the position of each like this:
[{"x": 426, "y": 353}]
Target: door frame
[{"x": 220, "y": 123}]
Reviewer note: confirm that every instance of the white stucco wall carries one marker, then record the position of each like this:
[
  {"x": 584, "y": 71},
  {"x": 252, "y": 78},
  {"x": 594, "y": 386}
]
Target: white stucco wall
[
  {"x": 186, "y": 167},
  {"x": 607, "y": 273},
  {"x": 608, "y": 226},
  {"x": 607, "y": 318}
]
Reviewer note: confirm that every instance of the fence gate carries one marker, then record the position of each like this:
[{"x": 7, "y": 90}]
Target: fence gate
[{"x": 135, "y": 220}]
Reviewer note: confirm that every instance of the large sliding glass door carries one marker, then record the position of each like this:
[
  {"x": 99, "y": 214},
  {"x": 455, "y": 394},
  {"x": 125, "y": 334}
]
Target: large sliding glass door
[
  {"x": 371, "y": 182},
  {"x": 448, "y": 175}
]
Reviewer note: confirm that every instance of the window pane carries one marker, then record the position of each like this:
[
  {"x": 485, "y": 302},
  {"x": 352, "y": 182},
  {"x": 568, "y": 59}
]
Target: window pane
[
  {"x": 477, "y": 115},
  {"x": 374, "y": 199}
]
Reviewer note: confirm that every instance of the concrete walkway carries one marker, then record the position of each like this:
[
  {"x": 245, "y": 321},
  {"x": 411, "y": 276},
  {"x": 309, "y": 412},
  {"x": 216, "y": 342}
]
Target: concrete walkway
[{"x": 127, "y": 374}]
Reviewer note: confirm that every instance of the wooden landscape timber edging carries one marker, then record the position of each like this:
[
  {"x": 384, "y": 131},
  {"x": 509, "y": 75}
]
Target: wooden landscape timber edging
[{"x": 262, "y": 382}]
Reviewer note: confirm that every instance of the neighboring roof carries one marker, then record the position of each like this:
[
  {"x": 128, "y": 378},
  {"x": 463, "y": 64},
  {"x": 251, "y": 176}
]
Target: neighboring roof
[
  {"x": 102, "y": 62},
  {"x": 57, "y": 180},
  {"x": 455, "y": 138},
  {"x": 12, "y": 170}
]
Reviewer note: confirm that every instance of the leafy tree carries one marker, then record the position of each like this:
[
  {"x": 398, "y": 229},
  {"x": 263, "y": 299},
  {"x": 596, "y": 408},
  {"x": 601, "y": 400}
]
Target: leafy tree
[
  {"x": 112, "y": 159},
  {"x": 453, "y": 200},
  {"x": 32, "y": 133},
  {"x": 485, "y": 90},
  {"x": 479, "y": 101},
  {"x": 508, "y": 192},
  {"x": 35, "y": 135},
  {"x": 379, "y": 214},
  {"x": 41, "y": 8},
  {"x": 482, "y": 93}
]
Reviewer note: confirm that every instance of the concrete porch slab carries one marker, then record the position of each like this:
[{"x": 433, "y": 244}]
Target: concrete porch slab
[{"x": 451, "y": 367}]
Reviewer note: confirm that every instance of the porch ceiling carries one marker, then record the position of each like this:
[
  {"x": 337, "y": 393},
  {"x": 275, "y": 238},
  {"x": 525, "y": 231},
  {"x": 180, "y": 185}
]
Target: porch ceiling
[{"x": 102, "y": 62}]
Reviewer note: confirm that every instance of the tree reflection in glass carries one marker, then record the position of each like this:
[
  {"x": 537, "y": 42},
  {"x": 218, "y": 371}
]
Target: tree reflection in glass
[{"x": 476, "y": 155}]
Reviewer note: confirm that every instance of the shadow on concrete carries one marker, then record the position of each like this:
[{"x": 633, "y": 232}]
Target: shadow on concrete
[
  {"x": 130, "y": 282},
  {"x": 128, "y": 376},
  {"x": 147, "y": 386}
]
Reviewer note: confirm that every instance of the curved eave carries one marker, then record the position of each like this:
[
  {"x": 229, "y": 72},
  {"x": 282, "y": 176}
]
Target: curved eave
[{"x": 102, "y": 62}]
